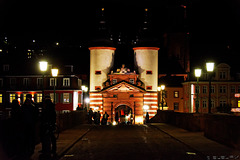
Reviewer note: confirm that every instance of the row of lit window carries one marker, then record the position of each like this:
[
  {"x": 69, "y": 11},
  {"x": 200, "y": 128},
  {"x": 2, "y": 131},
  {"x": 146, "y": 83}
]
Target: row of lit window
[
  {"x": 26, "y": 82},
  {"x": 222, "y": 89},
  {"x": 66, "y": 97}
]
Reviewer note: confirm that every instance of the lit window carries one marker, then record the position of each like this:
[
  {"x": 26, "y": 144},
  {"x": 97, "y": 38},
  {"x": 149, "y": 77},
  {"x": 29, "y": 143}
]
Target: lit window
[
  {"x": 26, "y": 81},
  {"x": 204, "y": 89},
  {"x": 66, "y": 82},
  {"x": 39, "y": 82},
  {"x": 12, "y": 97},
  {"x": 1, "y": 50},
  {"x": 52, "y": 80},
  {"x": 114, "y": 81},
  {"x": 176, "y": 94},
  {"x": 52, "y": 97},
  {"x": 1, "y": 98},
  {"x": 39, "y": 97},
  {"x": 66, "y": 98},
  {"x": 131, "y": 81},
  {"x": 238, "y": 103}
]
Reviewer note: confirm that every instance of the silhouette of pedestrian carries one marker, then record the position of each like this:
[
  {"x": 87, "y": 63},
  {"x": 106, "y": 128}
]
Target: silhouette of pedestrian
[
  {"x": 30, "y": 116},
  {"x": 105, "y": 118},
  {"x": 147, "y": 117},
  {"x": 48, "y": 120},
  {"x": 90, "y": 116},
  {"x": 116, "y": 117},
  {"x": 16, "y": 140},
  {"x": 98, "y": 116}
]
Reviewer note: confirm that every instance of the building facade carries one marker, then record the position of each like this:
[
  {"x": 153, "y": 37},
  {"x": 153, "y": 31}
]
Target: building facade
[
  {"x": 66, "y": 86},
  {"x": 123, "y": 93},
  {"x": 224, "y": 90}
]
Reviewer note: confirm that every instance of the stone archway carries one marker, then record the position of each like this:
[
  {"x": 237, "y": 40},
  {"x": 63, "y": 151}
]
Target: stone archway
[{"x": 123, "y": 113}]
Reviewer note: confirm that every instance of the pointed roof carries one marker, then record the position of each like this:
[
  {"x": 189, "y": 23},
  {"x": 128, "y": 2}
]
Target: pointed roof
[
  {"x": 102, "y": 36},
  {"x": 123, "y": 86},
  {"x": 146, "y": 37}
]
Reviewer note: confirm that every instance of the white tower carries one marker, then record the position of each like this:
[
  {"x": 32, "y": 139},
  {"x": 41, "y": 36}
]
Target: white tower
[
  {"x": 146, "y": 59},
  {"x": 101, "y": 61}
]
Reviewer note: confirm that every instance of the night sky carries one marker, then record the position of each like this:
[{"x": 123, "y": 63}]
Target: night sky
[{"x": 213, "y": 26}]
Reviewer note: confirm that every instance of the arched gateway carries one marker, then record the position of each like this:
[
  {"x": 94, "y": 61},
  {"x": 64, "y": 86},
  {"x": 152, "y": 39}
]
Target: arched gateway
[{"x": 112, "y": 91}]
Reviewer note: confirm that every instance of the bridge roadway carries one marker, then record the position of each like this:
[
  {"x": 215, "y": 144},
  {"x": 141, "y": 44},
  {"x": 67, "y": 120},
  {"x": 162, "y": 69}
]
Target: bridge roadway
[{"x": 153, "y": 141}]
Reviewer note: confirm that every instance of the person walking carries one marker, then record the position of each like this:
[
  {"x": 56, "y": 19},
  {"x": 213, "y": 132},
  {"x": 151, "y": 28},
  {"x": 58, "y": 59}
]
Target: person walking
[
  {"x": 105, "y": 118},
  {"x": 29, "y": 119},
  {"x": 48, "y": 122},
  {"x": 90, "y": 116},
  {"x": 98, "y": 116}
]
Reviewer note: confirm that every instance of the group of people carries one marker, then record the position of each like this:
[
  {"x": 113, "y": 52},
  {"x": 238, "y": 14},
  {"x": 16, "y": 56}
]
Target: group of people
[
  {"x": 33, "y": 126},
  {"x": 94, "y": 117}
]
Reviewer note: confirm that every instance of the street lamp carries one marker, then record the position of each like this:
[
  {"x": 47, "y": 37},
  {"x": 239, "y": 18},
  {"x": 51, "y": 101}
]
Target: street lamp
[
  {"x": 43, "y": 67},
  {"x": 198, "y": 73},
  {"x": 84, "y": 89},
  {"x": 54, "y": 74},
  {"x": 210, "y": 68},
  {"x": 162, "y": 88}
]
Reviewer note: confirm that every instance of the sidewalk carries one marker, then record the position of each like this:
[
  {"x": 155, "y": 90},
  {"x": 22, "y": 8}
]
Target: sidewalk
[
  {"x": 66, "y": 139},
  {"x": 197, "y": 141}
]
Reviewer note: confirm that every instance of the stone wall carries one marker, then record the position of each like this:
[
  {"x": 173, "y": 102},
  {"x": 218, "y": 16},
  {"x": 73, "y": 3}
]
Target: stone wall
[{"x": 223, "y": 128}]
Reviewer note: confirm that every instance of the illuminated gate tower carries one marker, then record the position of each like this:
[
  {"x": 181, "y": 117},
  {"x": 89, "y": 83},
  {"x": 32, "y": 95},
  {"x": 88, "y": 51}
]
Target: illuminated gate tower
[{"x": 124, "y": 91}]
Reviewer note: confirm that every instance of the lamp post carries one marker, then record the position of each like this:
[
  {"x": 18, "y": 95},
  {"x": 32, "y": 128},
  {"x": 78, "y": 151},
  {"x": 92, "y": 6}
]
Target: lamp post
[
  {"x": 162, "y": 88},
  {"x": 84, "y": 89},
  {"x": 145, "y": 108},
  {"x": 198, "y": 73},
  {"x": 43, "y": 67},
  {"x": 159, "y": 89},
  {"x": 210, "y": 68},
  {"x": 54, "y": 74}
]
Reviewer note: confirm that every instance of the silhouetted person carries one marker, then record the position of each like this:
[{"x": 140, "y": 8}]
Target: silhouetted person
[
  {"x": 147, "y": 117},
  {"x": 16, "y": 112},
  {"x": 48, "y": 122},
  {"x": 30, "y": 116},
  {"x": 17, "y": 134},
  {"x": 98, "y": 116},
  {"x": 105, "y": 118},
  {"x": 90, "y": 116},
  {"x": 116, "y": 117}
]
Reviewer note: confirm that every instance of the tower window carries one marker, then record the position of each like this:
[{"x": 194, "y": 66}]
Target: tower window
[
  {"x": 148, "y": 72},
  {"x": 97, "y": 87},
  {"x": 149, "y": 87},
  {"x": 98, "y": 72},
  {"x": 131, "y": 81}
]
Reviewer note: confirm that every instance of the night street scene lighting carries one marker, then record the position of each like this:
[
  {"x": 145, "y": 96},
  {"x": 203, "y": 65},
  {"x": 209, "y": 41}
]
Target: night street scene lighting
[{"x": 112, "y": 59}]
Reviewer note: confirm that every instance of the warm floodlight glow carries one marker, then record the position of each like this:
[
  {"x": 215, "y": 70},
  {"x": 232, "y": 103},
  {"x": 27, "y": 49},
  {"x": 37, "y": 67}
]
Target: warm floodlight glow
[
  {"x": 163, "y": 87},
  {"x": 198, "y": 72},
  {"x": 114, "y": 123},
  {"x": 87, "y": 100},
  {"x": 159, "y": 88},
  {"x": 43, "y": 65},
  {"x": 145, "y": 107},
  {"x": 210, "y": 66},
  {"x": 54, "y": 72},
  {"x": 138, "y": 119}
]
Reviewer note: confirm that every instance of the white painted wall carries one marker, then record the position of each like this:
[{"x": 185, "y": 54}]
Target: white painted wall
[
  {"x": 101, "y": 59},
  {"x": 147, "y": 59}
]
